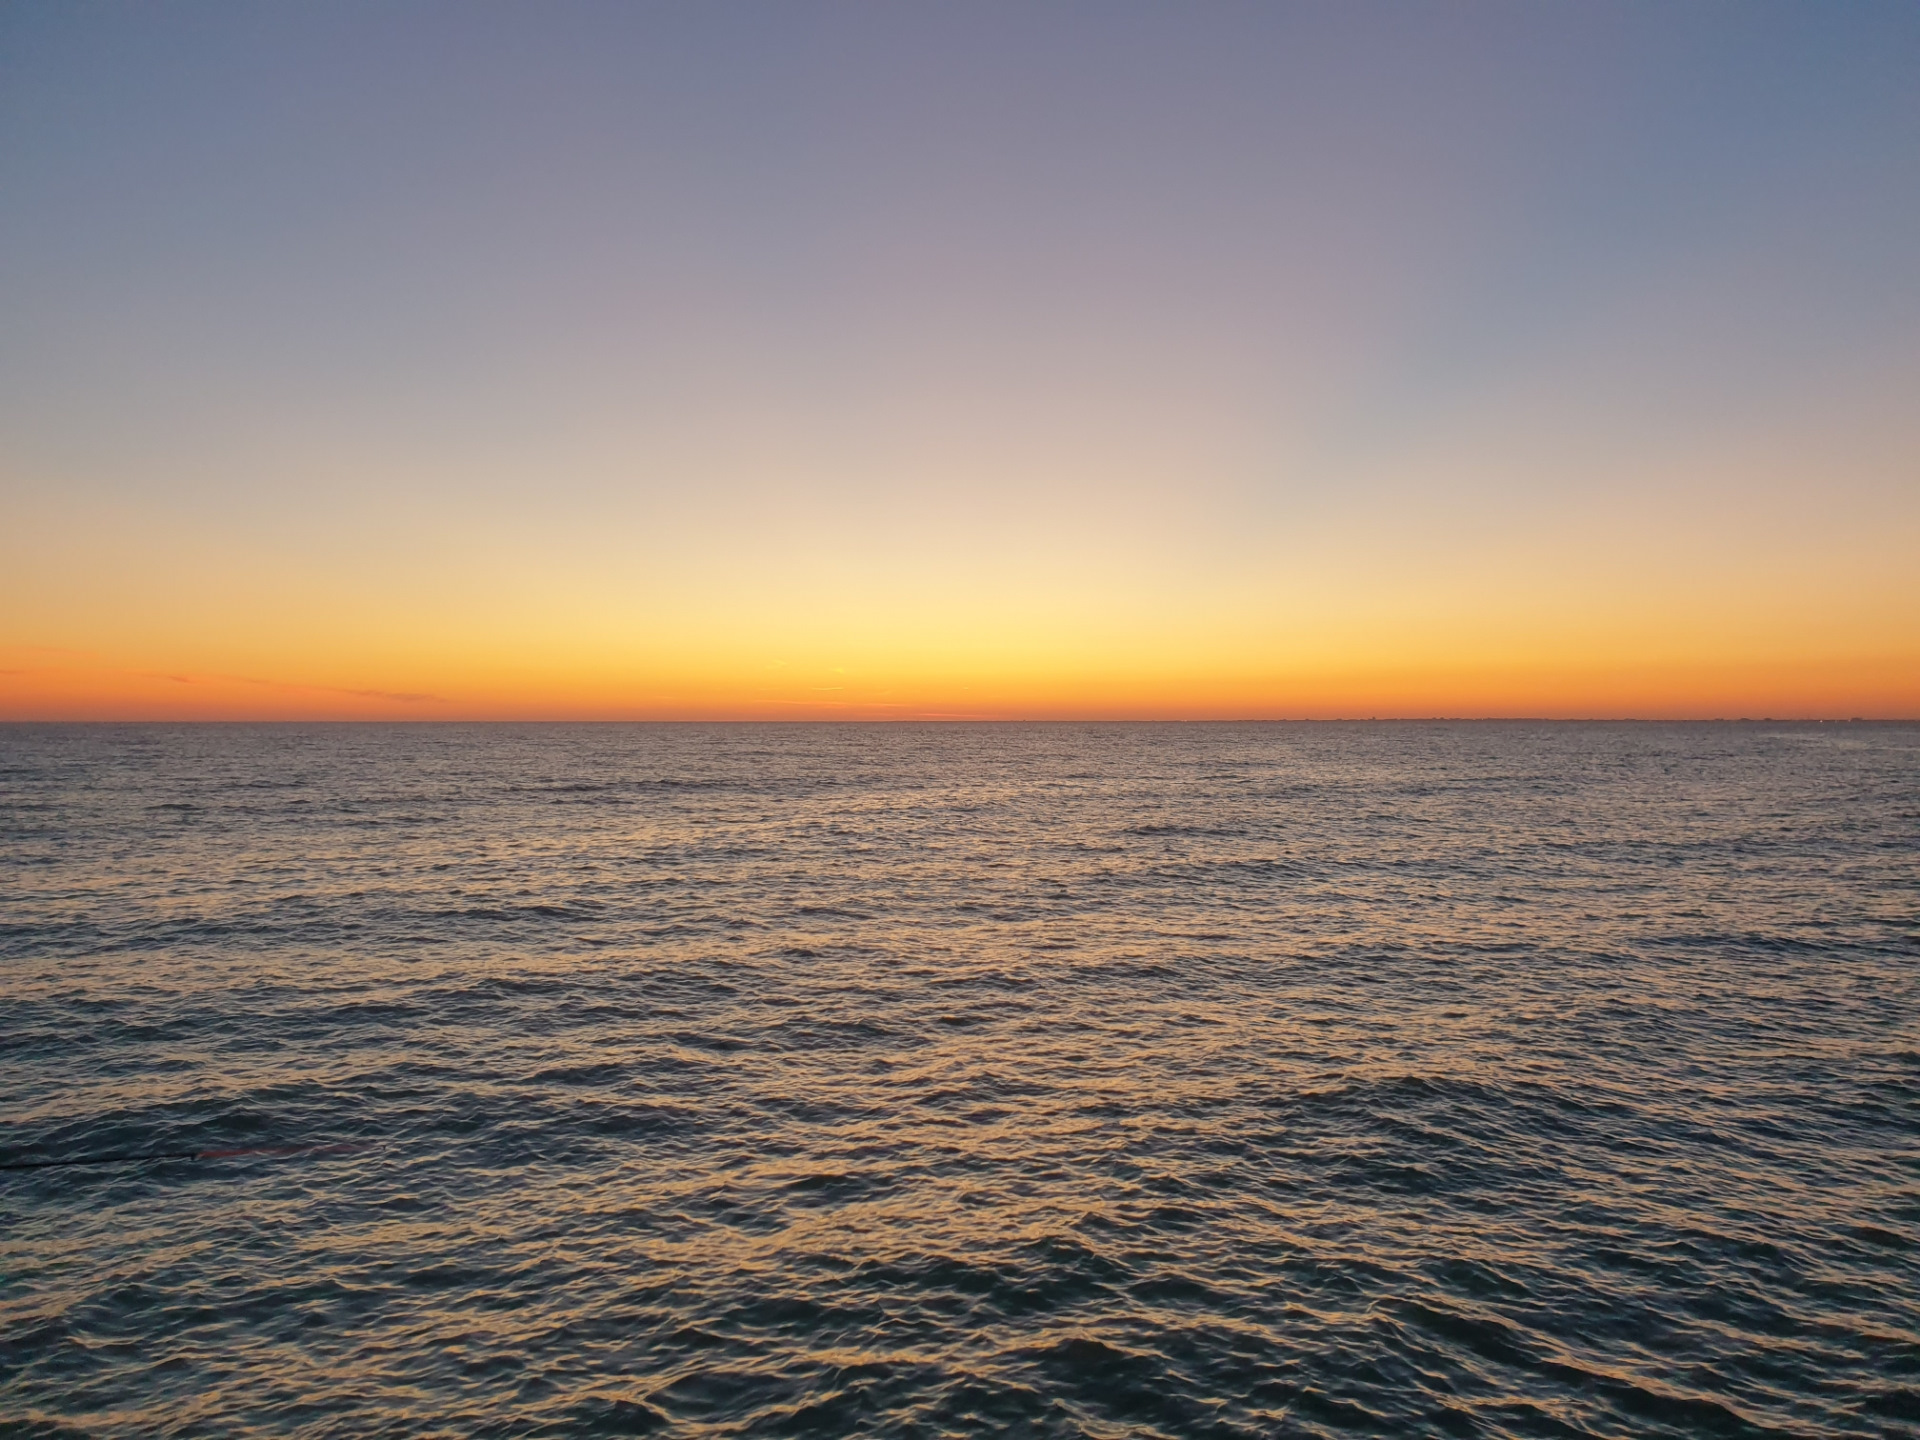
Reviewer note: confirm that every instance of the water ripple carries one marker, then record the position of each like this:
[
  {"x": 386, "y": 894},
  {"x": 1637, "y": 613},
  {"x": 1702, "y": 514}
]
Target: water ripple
[{"x": 1502, "y": 1080}]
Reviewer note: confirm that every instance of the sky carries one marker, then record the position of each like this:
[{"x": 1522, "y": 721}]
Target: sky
[{"x": 819, "y": 360}]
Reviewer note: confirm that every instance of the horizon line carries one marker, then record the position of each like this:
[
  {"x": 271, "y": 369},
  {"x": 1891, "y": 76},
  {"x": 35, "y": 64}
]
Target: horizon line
[{"x": 990, "y": 720}]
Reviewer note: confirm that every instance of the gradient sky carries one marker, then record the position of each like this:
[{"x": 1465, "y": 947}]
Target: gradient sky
[{"x": 897, "y": 360}]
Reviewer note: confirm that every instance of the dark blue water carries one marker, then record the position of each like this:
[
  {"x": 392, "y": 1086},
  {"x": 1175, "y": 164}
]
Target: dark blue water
[{"x": 1500, "y": 1080}]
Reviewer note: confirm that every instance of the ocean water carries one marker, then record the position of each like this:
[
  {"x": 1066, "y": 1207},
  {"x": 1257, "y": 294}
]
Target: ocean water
[{"x": 1315, "y": 1080}]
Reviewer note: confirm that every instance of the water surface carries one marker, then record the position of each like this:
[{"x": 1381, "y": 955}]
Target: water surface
[{"x": 1316, "y": 1080}]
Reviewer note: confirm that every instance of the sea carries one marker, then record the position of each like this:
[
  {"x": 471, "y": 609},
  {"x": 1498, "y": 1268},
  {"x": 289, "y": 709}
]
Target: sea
[{"x": 1337, "y": 1079}]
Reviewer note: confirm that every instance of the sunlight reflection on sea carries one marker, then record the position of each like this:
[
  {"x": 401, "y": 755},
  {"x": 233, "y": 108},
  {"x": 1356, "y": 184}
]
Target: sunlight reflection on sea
[{"x": 1493, "y": 1079}]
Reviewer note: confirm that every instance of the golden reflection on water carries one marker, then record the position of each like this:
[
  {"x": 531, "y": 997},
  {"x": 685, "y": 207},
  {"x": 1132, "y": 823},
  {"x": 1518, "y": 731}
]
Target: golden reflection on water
[{"x": 1095, "y": 1079}]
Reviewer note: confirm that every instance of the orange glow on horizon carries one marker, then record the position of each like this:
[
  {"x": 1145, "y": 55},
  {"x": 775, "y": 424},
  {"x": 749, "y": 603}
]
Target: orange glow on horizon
[
  {"x": 45, "y": 685},
  {"x": 1275, "y": 365}
]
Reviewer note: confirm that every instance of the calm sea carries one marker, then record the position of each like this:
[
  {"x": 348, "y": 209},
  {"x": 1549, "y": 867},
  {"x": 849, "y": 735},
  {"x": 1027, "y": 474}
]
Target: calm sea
[{"x": 1187, "y": 1080}]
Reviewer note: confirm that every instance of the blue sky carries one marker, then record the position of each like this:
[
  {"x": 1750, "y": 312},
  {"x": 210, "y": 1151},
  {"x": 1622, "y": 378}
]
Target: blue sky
[{"x": 591, "y": 343}]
